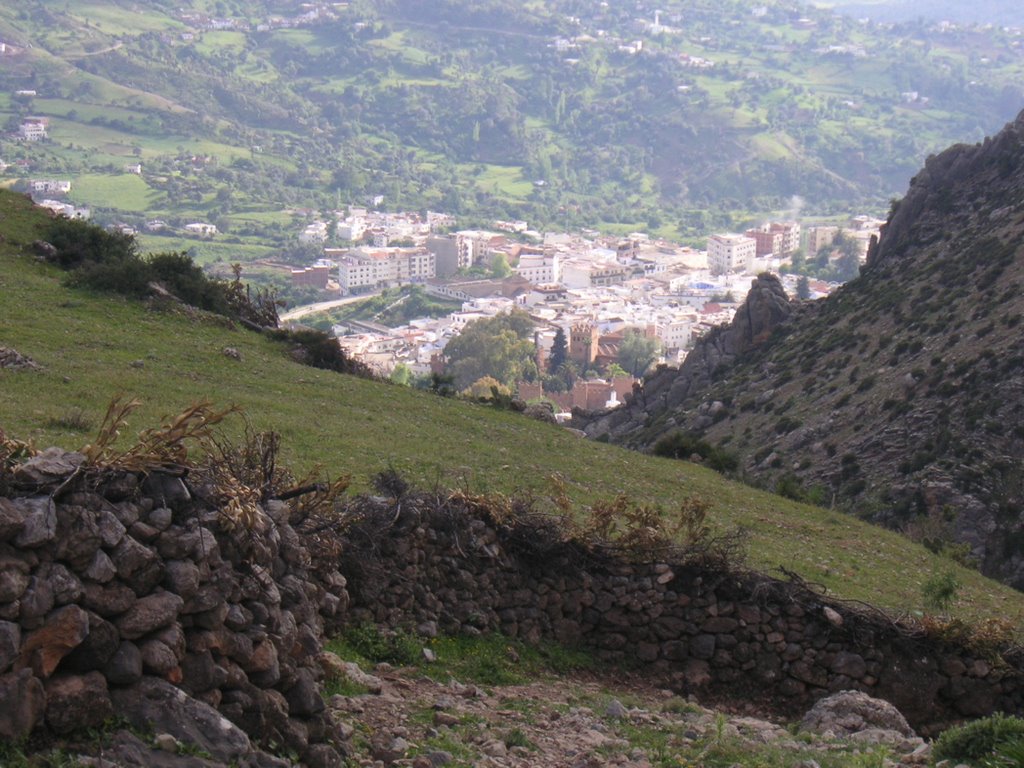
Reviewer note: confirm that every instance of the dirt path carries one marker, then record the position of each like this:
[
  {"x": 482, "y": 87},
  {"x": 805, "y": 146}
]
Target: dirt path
[{"x": 579, "y": 721}]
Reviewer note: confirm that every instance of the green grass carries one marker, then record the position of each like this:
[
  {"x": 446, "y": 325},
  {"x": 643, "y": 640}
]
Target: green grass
[
  {"x": 125, "y": 191},
  {"x": 94, "y": 347},
  {"x": 206, "y": 252}
]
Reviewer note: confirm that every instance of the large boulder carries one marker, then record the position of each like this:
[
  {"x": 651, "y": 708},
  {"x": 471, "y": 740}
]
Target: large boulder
[
  {"x": 156, "y": 704},
  {"x": 848, "y": 713}
]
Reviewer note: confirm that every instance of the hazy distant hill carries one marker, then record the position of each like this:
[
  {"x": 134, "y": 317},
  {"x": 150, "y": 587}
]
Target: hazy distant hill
[
  {"x": 673, "y": 117},
  {"x": 901, "y": 396},
  {"x": 998, "y": 12}
]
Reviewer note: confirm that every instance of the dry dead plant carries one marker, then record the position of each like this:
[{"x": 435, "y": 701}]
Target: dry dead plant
[
  {"x": 12, "y": 453},
  {"x": 989, "y": 638},
  {"x": 244, "y": 474},
  {"x": 164, "y": 448}
]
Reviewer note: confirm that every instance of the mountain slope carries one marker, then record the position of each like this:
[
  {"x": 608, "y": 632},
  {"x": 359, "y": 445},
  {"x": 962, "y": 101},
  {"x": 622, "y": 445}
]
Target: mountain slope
[
  {"x": 93, "y": 347},
  {"x": 712, "y": 116},
  {"x": 902, "y": 395}
]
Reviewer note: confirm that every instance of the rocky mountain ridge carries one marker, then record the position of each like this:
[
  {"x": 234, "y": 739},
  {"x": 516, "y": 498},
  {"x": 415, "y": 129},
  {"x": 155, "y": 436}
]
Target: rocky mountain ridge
[{"x": 901, "y": 397}]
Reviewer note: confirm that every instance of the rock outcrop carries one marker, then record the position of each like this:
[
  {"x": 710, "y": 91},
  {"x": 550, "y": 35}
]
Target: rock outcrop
[
  {"x": 898, "y": 397},
  {"x": 766, "y": 308}
]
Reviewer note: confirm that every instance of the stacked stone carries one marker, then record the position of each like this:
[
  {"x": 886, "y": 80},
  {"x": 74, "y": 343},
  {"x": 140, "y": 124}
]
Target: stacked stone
[
  {"x": 112, "y": 591},
  {"x": 740, "y": 635}
]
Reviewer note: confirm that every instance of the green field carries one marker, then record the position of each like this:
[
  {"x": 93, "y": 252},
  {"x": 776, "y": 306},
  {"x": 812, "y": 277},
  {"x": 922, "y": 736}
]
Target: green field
[{"x": 124, "y": 191}]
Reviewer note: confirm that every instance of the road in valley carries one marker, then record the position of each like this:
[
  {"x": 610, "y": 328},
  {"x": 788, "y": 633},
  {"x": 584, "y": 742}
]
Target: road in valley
[{"x": 320, "y": 306}]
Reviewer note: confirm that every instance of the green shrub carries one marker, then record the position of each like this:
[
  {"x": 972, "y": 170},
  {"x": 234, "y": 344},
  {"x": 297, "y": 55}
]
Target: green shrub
[
  {"x": 377, "y": 645},
  {"x": 683, "y": 445},
  {"x": 973, "y": 742},
  {"x": 1007, "y": 755},
  {"x": 790, "y": 487},
  {"x": 940, "y": 590},
  {"x": 78, "y": 242},
  {"x": 318, "y": 350}
]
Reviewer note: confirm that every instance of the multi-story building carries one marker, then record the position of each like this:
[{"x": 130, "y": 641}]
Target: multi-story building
[
  {"x": 819, "y": 237},
  {"x": 583, "y": 343},
  {"x": 315, "y": 276},
  {"x": 382, "y": 267},
  {"x": 446, "y": 254},
  {"x": 675, "y": 334},
  {"x": 777, "y": 238},
  {"x": 33, "y": 129},
  {"x": 790, "y": 231},
  {"x": 540, "y": 268},
  {"x": 50, "y": 186},
  {"x": 767, "y": 243},
  {"x": 474, "y": 246},
  {"x": 730, "y": 253}
]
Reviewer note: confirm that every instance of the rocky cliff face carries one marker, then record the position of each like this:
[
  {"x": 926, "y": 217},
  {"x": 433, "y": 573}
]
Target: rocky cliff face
[{"x": 901, "y": 397}]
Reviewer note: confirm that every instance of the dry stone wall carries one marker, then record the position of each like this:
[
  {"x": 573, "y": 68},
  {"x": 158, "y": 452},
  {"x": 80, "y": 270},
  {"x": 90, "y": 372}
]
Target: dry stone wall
[
  {"x": 738, "y": 635},
  {"x": 122, "y": 594},
  {"x": 125, "y": 594}
]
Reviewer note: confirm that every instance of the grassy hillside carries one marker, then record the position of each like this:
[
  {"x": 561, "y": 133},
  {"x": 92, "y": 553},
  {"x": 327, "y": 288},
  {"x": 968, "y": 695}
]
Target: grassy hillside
[{"x": 93, "y": 347}]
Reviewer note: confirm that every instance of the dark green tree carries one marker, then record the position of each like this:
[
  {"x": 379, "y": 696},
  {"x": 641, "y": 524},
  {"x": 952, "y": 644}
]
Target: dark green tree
[
  {"x": 803, "y": 288},
  {"x": 559, "y": 352}
]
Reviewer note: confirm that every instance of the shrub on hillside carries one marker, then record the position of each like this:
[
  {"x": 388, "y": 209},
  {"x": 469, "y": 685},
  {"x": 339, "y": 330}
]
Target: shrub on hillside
[
  {"x": 974, "y": 742},
  {"x": 682, "y": 445},
  {"x": 76, "y": 242},
  {"x": 110, "y": 261},
  {"x": 317, "y": 349}
]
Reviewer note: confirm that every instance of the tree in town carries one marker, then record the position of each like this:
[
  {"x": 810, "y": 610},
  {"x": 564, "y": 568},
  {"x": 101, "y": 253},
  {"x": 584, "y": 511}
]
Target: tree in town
[
  {"x": 559, "y": 351},
  {"x": 500, "y": 346},
  {"x": 803, "y": 288},
  {"x": 637, "y": 352}
]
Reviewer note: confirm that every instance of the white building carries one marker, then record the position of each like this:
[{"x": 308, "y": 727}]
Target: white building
[
  {"x": 65, "y": 209},
  {"x": 201, "y": 228},
  {"x": 353, "y": 228},
  {"x": 540, "y": 268},
  {"x": 50, "y": 186},
  {"x": 675, "y": 334},
  {"x": 314, "y": 233},
  {"x": 33, "y": 129},
  {"x": 731, "y": 253},
  {"x": 381, "y": 267}
]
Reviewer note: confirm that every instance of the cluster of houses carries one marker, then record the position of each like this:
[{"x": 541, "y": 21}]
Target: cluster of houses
[
  {"x": 309, "y": 14},
  {"x": 592, "y": 288}
]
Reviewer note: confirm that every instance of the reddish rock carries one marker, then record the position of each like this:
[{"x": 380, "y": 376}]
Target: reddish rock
[
  {"x": 96, "y": 650},
  {"x": 64, "y": 630}
]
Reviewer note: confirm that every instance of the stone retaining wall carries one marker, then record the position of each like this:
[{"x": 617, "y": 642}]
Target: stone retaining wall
[
  {"x": 115, "y": 585},
  {"x": 123, "y": 594},
  {"x": 738, "y": 635}
]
